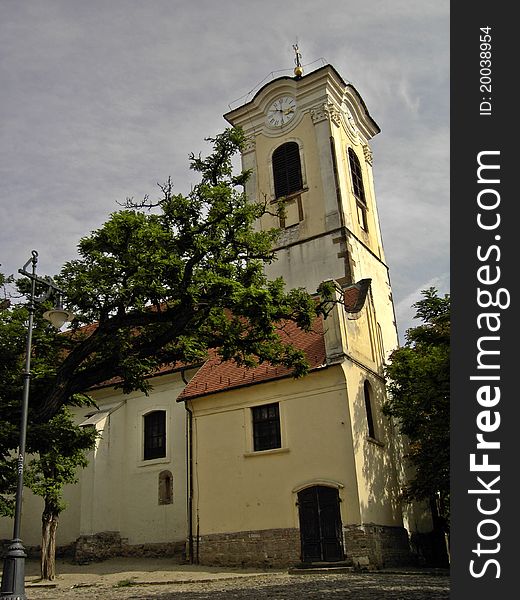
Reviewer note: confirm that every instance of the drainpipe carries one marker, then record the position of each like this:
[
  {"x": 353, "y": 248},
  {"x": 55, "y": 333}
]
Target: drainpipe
[{"x": 189, "y": 469}]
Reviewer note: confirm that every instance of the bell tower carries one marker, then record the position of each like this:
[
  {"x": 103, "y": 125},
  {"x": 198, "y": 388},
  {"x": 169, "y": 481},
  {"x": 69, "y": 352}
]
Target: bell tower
[{"x": 308, "y": 145}]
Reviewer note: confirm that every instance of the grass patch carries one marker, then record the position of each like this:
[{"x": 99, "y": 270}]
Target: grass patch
[{"x": 124, "y": 583}]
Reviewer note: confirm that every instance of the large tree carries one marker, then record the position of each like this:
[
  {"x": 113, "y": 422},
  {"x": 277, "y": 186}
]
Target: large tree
[
  {"x": 419, "y": 386},
  {"x": 61, "y": 447},
  {"x": 159, "y": 283},
  {"x": 165, "y": 281},
  {"x": 57, "y": 447}
]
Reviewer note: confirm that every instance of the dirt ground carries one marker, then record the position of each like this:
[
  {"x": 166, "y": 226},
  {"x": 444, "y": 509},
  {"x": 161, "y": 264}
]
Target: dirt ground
[
  {"x": 114, "y": 571},
  {"x": 163, "y": 579}
]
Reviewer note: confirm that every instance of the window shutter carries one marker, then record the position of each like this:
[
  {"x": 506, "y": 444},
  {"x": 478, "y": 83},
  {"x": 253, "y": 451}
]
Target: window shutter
[
  {"x": 287, "y": 171},
  {"x": 357, "y": 177}
]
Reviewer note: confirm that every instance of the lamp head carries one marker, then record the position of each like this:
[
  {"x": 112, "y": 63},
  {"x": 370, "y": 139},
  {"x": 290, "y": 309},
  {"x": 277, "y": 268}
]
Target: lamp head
[{"x": 58, "y": 316}]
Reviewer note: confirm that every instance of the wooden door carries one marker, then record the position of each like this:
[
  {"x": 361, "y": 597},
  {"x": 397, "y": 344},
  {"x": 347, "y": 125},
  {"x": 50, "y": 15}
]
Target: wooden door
[{"x": 320, "y": 524}]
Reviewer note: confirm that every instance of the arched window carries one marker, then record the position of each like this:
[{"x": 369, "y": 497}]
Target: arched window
[
  {"x": 359, "y": 190},
  {"x": 165, "y": 487},
  {"x": 287, "y": 169},
  {"x": 368, "y": 409},
  {"x": 155, "y": 434}
]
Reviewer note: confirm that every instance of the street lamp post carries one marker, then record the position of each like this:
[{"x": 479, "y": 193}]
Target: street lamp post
[{"x": 13, "y": 575}]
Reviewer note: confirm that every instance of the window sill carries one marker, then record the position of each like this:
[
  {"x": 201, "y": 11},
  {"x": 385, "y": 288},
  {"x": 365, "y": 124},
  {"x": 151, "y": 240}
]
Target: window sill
[
  {"x": 290, "y": 196},
  {"x": 266, "y": 452},
  {"x": 153, "y": 461},
  {"x": 375, "y": 442}
]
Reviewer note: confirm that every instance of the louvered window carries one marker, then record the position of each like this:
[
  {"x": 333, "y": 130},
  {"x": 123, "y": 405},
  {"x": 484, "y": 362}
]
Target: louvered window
[
  {"x": 359, "y": 190},
  {"x": 287, "y": 169},
  {"x": 357, "y": 178}
]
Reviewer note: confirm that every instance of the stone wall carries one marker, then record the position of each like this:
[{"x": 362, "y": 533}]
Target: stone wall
[
  {"x": 65, "y": 551},
  {"x": 365, "y": 546},
  {"x": 108, "y": 544},
  {"x": 376, "y": 546},
  {"x": 264, "y": 548}
]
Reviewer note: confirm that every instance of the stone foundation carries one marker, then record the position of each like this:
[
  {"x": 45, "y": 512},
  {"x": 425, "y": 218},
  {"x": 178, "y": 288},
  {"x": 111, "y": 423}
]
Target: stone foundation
[
  {"x": 108, "y": 544},
  {"x": 265, "y": 548},
  {"x": 65, "y": 551},
  {"x": 376, "y": 546},
  {"x": 104, "y": 545},
  {"x": 365, "y": 546}
]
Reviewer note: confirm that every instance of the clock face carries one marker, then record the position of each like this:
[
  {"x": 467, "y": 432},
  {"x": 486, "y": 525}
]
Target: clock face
[{"x": 281, "y": 111}]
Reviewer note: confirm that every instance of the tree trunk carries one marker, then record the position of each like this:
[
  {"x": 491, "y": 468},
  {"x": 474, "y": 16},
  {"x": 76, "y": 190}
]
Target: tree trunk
[{"x": 50, "y": 519}]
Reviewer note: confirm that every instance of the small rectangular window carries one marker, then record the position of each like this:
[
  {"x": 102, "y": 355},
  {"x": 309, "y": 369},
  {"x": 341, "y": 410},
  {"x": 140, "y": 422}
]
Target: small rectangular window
[
  {"x": 266, "y": 427},
  {"x": 362, "y": 216},
  {"x": 155, "y": 435}
]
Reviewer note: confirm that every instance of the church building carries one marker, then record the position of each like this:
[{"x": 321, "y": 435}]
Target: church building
[{"x": 224, "y": 465}]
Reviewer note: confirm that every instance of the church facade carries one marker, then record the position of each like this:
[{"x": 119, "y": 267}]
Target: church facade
[{"x": 229, "y": 466}]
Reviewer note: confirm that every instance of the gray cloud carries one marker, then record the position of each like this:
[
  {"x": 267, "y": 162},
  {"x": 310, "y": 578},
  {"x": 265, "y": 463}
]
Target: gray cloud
[{"x": 103, "y": 100}]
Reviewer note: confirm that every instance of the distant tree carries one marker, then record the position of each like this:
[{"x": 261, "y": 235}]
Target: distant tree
[
  {"x": 159, "y": 283},
  {"x": 419, "y": 398}
]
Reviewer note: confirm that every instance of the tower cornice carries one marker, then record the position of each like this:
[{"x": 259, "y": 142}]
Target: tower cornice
[{"x": 323, "y": 88}]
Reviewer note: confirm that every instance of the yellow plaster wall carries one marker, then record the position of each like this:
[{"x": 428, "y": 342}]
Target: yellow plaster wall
[
  {"x": 237, "y": 489},
  {"x": 375, "y": 466},
  {"x": 312, "y": 197}
]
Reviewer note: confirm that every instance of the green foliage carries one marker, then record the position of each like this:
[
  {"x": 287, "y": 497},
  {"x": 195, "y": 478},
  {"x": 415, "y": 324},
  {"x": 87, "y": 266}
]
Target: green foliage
[
  {"x": 419, "y": 386},
  {"x": 124, "y": 583},
  {"x": 160, "y": 283},
  {"x": 7, "y": 484},
  {"x": 166, "y": 281},
  {"x": 57, "y": 444},
  {"x": 61, "y": 446}
]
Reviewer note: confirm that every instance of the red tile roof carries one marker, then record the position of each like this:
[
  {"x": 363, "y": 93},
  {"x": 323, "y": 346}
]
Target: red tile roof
[
  {"x": 354, "y": 295},
  {"x": 217, "y": 376}
]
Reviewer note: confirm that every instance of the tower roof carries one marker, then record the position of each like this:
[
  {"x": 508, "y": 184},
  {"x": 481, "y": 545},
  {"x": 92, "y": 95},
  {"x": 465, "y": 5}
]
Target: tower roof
[{"x": 327, "y": 76}]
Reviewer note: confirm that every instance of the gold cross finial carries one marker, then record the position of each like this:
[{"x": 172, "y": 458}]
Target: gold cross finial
[{"x": 298, "y": 70}]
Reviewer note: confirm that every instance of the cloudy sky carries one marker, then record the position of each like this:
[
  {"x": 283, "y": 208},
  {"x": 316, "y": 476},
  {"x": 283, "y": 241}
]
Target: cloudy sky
[{"x": 101, "y": 100}]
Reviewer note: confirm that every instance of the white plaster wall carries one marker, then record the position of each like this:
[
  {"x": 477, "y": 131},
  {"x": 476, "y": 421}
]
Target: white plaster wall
[
  {"x": 142, "y": 518},
  {"x": 118, "y": 491}
]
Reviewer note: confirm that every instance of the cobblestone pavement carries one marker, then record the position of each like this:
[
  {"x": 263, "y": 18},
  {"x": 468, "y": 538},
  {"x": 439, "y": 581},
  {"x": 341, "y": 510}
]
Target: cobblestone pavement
[{"x": 274, "y": 586}]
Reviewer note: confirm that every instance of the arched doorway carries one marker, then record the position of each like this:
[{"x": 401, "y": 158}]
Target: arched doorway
[{"x": 320, "y": 524}]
